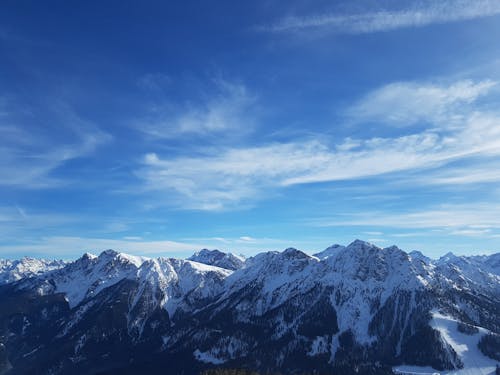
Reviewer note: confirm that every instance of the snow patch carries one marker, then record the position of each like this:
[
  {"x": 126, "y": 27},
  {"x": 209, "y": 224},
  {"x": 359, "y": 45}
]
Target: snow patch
[
  {"x": 207, "y": 357},
  {"x": 464, "y": 345},
  {"x": 319, "y": 346},
  {"x": 475, "y": 362}
]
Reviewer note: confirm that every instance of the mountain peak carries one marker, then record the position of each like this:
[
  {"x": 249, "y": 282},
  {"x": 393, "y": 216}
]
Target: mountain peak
[
  {"x": 392, "y": 248},
  {"x": 218, "y": 258},
  {"x": 207, "y": 252},
  {"x": 335, "y": 246},
  {"x": 89, "y": 256},
  {"x": 109, "y": 253},
  {"x": 329, "y": 251},
  {"x": 292, "y": 252},
  {"x": 360, "y": 244},
  {"x": 415, "y": 254},
  {"x": 448, "y": 257}
]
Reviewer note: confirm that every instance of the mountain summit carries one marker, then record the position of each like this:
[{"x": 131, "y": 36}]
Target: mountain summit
[{"x": 218, "y": 258}]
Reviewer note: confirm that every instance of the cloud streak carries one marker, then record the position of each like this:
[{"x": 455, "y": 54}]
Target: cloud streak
[
  {"x": 479, "y": 219},
  {"x": 216, "y": 181},
  {"x": 404, "y": 104},
  {"x": 61, "y": 246},
  {"x": 421, "y": 14},
  {"x": 227, "y": 110},
  {"x": 28, "y": 156}
]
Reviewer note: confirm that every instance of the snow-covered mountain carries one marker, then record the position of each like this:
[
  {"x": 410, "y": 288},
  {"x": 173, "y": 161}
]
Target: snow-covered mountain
[
  {"x": 218, "y": 258},
  {"x": 331, "y": 250},
  {"x": 13, "y": 270},
  {"x": 354, "y": 309}
]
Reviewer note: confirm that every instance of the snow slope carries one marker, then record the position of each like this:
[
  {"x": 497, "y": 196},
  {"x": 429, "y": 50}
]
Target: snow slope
[
  {"x": 474, "y": 362},
  {"x": 172, "y": 278},
  {"x": 177, "y": 278},
  {"x": 218, "y": 258},
  {"x": 14, "y": 270},
  {"x": 469, "y": 272},
  {"x": 89, "y": 275},
  {"x": 329, "y": 251}
]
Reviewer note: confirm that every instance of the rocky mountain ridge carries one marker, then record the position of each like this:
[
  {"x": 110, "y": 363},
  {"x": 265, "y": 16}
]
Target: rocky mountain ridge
[{"x": 353, "y": 309}]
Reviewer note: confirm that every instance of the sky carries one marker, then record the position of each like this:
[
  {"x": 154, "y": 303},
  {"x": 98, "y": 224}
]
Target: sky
[{"x": 160, "y": 128}]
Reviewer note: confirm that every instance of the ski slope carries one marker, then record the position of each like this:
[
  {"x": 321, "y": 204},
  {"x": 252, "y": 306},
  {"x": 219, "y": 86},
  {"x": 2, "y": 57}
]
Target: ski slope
[{"x": 475, "y": 362}]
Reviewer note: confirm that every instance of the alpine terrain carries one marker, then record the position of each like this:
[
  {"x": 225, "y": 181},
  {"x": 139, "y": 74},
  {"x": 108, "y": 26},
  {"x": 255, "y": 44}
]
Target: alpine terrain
[{"x": 356, "y": 309}]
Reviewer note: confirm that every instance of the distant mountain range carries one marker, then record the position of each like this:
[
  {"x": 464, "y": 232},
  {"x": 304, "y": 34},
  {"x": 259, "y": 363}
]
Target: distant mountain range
[{"x": 356, "y": 309}]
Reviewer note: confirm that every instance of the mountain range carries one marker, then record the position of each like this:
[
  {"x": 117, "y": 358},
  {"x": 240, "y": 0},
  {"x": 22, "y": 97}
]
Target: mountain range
[{"x": 356, "y": 309}]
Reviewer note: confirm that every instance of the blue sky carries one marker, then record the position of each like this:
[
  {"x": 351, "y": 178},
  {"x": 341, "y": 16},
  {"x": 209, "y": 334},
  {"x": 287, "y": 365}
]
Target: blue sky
[{"x": 160, "y": 128}]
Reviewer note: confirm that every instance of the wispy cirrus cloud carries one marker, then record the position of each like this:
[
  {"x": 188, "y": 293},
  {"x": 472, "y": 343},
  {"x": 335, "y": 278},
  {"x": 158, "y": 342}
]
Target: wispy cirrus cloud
[
  {"x": 225, "y": 179},
  {"x": 17, "y": 217},
  {"x": 229, "y": 109},
  {"x": 28, "y": 155},
  {"x": 233, "y": 175},
  {"x": 253, "y": 245},
  {"x": 418, "y": 14},
  {"x": 17, "y": 222},
  {"x": 408, "y": 103},
  {"x": 477, "y": 171},
  {"x": 61, "y": 246},
  {"x": 72, "y": 247},
  {"x": 469, "y": 220}
]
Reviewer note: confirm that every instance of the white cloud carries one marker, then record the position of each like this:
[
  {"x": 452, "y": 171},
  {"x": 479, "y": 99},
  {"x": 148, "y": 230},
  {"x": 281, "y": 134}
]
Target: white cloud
[
  {"x": 457, "y": 219},
  {"x": 23, "y": 224},
  {"x": 409, "y": 103},
  {"x": 17, "y": 222},
  {"x": 17, "y": 217},
  {"x": 231, "y": 176},
  {"x": 65, "y": 246},
  {"x": 28, "y": 155},
  {"x": 409, "y": 234},
  {"x": 70, "y": 247},
  {"x": 421, "y": 14},
  {"x": 478, "y": 172},
  {"x": 246, "y": 239},
  {"x": 215, "y": 181},
  {"x": 254, "y": 245},
  {"x": 132, "y": 238},
  {"x": 219, "y": 239},
  {"x": 471, "y": 232},
  {"x": 229, "y": 108},
  {"x": 115, "y": 227}
]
